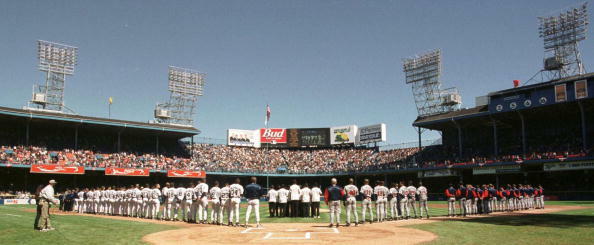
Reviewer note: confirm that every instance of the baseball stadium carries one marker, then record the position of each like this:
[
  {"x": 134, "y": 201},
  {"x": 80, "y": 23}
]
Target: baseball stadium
[{"x": 514, "y": 168}]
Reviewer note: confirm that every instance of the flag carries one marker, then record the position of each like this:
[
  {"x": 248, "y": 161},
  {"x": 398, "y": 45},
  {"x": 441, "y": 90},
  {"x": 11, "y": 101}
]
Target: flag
[
  {"x": 267, "y": 115},
  {"x": 110, "y": 100}
]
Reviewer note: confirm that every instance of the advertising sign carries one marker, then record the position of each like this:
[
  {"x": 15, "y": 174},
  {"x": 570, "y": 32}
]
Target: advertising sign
[
  {"x": 314, "y": 137},
  {"x": 127, "y": 171},
  {"x": 372, "y": 133},
  {"x": 186, "y": 174},
  {"x": 240, "y": 137},
  {"x": 581, "y": 89},
  {"x": 273, "y": 135},
  {"x": 293, "y": 137},
  {"x": 343, "y": 134},
  {"x": 562, "y": 166},
  {"x": 56, "y": 169},
  {"x": 560, "y": 93}
]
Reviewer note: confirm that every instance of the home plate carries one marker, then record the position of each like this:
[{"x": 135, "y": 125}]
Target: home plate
[{"x": 290, "y": 234}]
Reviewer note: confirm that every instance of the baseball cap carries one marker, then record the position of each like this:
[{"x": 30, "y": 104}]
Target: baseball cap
[{"x": 53, "y": 182}]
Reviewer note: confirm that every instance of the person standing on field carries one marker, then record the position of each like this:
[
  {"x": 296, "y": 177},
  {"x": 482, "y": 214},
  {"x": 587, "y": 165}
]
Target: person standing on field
[
  {"x": 423, "y": 197},
  {"x": 450, "y": 195},
  {"x": 316, "y": 193},
  {"x": 252, "y": 194},
  {"x": 351, "y": 202},
  {"x": 332, "y": 196},
  {"x": 272, "y": 198},
  {"x": 46, "y": 197},
  {"x": 295, "y": 198}
]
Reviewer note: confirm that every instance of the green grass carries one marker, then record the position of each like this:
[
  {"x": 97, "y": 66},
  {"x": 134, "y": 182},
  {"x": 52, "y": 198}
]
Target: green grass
[
  {"x": 569, "y": 227},
  {"x": 16, "y": 227}
]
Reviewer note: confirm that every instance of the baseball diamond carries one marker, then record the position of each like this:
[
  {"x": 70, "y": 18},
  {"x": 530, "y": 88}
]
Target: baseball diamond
[{"x": 289, "y": 122}]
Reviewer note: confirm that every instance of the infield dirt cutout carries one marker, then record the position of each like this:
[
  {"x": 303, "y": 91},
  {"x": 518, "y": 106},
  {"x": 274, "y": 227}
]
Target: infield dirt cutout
[{"x": 306, "y": 233}]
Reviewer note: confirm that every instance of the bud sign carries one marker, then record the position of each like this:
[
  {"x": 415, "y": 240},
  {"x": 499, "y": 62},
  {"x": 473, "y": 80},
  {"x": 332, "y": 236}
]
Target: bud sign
[{"x": 273, "y": 135}]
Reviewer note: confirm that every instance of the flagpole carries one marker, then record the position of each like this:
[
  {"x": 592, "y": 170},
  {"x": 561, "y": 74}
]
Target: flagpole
[
  {"x": 267, "y": 145},
  {"x": 109, "y": 116}
]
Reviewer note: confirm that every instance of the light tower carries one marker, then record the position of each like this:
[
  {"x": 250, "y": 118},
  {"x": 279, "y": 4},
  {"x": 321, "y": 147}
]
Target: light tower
[
  {"x": 424, "y": 73},
  {"x": 57, "y": 61},
  {"x": 185, "y": 86},
  {"x": 561, "y": 34}
]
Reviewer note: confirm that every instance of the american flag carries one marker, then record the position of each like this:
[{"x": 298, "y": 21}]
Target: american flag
[{"x": 267, "y": 115}]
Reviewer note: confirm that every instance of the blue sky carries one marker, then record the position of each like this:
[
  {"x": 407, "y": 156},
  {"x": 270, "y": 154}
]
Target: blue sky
[{"x": 317, "y": 63}]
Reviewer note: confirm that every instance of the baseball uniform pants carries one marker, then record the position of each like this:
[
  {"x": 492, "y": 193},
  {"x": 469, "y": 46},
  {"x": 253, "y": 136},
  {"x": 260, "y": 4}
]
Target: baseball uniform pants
[
  {"x": 351, "y": 207},
  {"x": 334, "y": 212}
]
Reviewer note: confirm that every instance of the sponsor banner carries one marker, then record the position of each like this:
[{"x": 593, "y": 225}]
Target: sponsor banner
[
  {"x": 273, "y": 135},
  {"x": 186, "y": 174},
  {"x": 343, "y": 134},
  {"x": 240, "y": 137},
  {"x": 371, "y": 134},
  {"x": 496, "y": 170},
  {"x": 439, "y": 173},
  {"x": 563, "y": 166},
  {"x": 56, "y": 169},
  {"x": 18, "y": 201},
  {"x": 127, "y": 171}
]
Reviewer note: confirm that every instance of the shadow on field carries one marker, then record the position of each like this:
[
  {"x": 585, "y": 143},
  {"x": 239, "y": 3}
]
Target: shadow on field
[{"x": 544, "y": 220}]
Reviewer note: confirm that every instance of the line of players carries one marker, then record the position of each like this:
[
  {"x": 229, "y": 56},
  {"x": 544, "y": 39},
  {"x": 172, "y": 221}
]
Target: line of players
[
  {"x": 190, "y": 203},
  {"x": 397, "y": 201},
  {"x": 485, "y": 199}
]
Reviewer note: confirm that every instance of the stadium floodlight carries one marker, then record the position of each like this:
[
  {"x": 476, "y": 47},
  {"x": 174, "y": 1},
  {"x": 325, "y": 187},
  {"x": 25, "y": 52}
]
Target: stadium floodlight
[
  {"x": 185, "y": 85},
  {"x": 56, "y": 61},
  {"x": 561, "y": 34},
  {"x": 424, "y": 73}
]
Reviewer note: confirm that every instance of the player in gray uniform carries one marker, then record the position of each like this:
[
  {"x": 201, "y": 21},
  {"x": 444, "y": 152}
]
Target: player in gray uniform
[
  {"x": 214, "y": 196},
  {"x": 367, "y": 203},
  {"x": 394, "y": 202},
  {"x": 382, "y": 198},
  {"x": 403, "y": 193},
  {"x": 423, "y": 196},
  {"x": 225, "y": 203},
  {"x": 351, "y": 201},
  {"x": 412, "y": 198}
]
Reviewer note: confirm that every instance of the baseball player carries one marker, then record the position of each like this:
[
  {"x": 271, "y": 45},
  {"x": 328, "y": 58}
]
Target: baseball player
[
  {"x": 295, "y": 198},
  {"x": 316, "y": 193},
  {"x": 201, "y": 191},
  {"x": 180, "y": 193},
  {"x": 501, "y": 199},
  {"x": 96, "y": 201},
  {"x": 236, "y": 191},
  {"x": 283, "y": 195},
  {"x": 155, "y": 201},
  {"x": 81, "y": 201},
  {"x": 214, "y": 196},
  {"x": 412, "y": 198},
  {"x": 252, "y": 193},
  {"x": 540, "y": 197},
  {"x": 382, "y": 198},
  {"x": 461, "y": 194},
  {"x": 403, "y": 193},
  {"x": 423, "y": 196},
  {"x": 450, "y": 194},
  {"x": 186, "y": 204},
  {"x": 367, "y": 202},
  {"x": 138, "y": 195},
  {"x": 305, "y": 200},
  {"x": 393, "y": 202},
  {"x": 351, "y": 202},
  {"x": 170, "y": 192},
  {"x": 332, "y": 196},
  {"x": 225, "y": 202},
  {"x": 272, "y": 196}
]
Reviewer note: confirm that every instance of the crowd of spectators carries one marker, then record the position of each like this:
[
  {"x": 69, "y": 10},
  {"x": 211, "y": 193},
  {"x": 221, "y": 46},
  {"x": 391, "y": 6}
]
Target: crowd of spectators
[
  {"x": 222, "y": 158},
  {"x": 7, "y": 194}
]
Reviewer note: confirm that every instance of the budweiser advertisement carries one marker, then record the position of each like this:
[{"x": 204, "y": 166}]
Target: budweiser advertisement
[
  {"x": 273, "y": 135},
  {"x": 186, "y": 174},
  {"x": 127, "y": 171},
  {"x": 56, "y": 169}
]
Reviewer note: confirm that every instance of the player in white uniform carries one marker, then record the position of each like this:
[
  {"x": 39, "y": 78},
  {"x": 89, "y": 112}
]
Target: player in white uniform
[
  {"x": 146, "y": 193},
  {"x": 180, "y": 193},
  {"x": 225, "y": 203},
  {"x": 382, "y": 199},
  {"x": 351, "y": 202},
  {"x": 155, "y": 201},
  {"x": 272, "y": 200},
  {"x": 412, "y": 198},
  {"x": 81, "y": 201},
  {"x": 236, "y": 190},
  {"x": 367, "y": 203},
  {"x": 316, "y": 193},
  {"x": 394, "y": 202},
  {"x": 305, "y": 200},
  {"x": 294, "y": 199},
  {"x": 138, "y": 195},
  {"x": 186, "y": 204},
  {"x": 202, "y": 191},
  {"x": 214, "y": 196},
  {"x": 169, "y": 192},
  {"x": 283, "y": 198},
  {"x": 96, "y": 201},
  {"x": 423, "y": 196},
  {"x": 403, "y": 193}
]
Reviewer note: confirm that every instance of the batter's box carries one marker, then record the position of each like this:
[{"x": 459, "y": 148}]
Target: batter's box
[{"x": 277, "y": 235}]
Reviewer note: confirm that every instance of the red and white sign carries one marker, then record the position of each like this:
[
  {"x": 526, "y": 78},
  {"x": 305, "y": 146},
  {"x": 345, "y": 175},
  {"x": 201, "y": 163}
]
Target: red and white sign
[
  {"x": 273, "y": 135},
  {"x": 56, "y": 169},
  {"x": 127, "y": 171},
  {"x": 186, "y": 174}
]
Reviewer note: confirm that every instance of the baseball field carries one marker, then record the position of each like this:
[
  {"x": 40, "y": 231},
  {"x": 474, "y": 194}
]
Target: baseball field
[{"x": 559, "y": 223}]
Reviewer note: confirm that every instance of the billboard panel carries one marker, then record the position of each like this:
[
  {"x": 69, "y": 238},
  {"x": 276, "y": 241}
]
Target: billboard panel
[
  {"x": 127, "y": 171},
  {"x": 273, "y": 135},
  {"x": 240, "y": 137},
  {"x": 581, "y": 89},
  {"x": 314, "y": 137},
  {"x": 186, "y": 174},
  {"x": 293, "y": 138},
  {"x": 56, "y": 169},
  {"x": 371, "y": 134},
  {"x": 343, "y": 134}
]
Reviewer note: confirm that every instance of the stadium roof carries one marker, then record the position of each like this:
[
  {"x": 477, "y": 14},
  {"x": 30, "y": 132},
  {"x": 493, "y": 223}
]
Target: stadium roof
[{"x": 57, "y": 117}]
